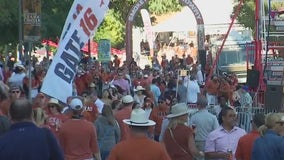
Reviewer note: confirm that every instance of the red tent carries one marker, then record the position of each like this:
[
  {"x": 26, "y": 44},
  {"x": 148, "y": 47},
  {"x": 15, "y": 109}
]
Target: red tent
[
  {"x": 49, "y": 42},
  {"x": 93, "y": 45},
  {"x": 94, "y": 49}
]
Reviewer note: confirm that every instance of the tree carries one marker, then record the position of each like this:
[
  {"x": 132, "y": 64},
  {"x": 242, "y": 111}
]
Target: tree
[
  {"x": 247, "y": 13},
  {"x": 54, "y": 13}
]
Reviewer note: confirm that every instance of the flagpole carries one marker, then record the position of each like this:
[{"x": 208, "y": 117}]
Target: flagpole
[{"x": 89, "y": 48}]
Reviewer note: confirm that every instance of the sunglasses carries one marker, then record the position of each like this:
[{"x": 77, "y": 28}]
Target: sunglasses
[
  {"x": 51, "y": 106},
  {"x": 15, "y": 91}
]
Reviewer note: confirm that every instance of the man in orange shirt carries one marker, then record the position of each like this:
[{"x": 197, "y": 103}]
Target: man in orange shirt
[
  {"x": 158, "y": 114},
  {"x": 90, "y": 112},
  {"x": 245, "y": 144},
  {"x": 78, "y": 137},
  {"x": 138, "y": 146},
  {"x": 123, "y": 113}
]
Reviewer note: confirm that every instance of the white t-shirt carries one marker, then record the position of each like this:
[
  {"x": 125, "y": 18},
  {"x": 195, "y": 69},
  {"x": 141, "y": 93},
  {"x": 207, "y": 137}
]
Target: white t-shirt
[{"x": 193, "y": 90}]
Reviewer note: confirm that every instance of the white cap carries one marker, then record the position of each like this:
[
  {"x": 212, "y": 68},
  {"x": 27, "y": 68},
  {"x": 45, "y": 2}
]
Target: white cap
[
  {"x": 76, "y": 104},
  {"x": 127, "y": 99}
]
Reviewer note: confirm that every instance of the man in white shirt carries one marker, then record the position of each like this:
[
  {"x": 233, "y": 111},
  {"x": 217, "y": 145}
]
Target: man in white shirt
[{"x": 193, "y": 90}]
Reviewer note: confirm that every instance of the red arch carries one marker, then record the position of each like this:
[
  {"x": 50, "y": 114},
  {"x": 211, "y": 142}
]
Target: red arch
[{"x": 140, "y": 4}]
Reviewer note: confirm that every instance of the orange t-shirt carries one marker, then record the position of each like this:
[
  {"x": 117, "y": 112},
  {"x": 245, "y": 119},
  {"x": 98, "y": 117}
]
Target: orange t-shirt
[
  {"x": 245, "y": 145},
  {"x": 120, "y": 115},
  {"x": 158, "y": 114},
  {"x": 54, "y": 123},
  {"x": 212, "y": 87},
  {"x": 78, "y": 139},
  {"x": 139, "y": 148},
  {"x": 91, "y": 112}
]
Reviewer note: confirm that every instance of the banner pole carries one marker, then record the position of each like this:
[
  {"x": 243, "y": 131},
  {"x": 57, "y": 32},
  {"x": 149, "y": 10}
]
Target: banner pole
[{"x": 30, "y": 71}]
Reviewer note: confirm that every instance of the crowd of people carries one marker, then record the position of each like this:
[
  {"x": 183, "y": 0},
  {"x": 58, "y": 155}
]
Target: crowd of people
[{"x": 119, "y": 111}]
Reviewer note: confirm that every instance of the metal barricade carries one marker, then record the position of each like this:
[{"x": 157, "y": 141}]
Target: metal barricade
[{"x": 245, "y": 115}]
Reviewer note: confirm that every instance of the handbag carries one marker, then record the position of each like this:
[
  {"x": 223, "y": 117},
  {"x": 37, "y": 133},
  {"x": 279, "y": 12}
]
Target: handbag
[{"x": 172, "y": 135}]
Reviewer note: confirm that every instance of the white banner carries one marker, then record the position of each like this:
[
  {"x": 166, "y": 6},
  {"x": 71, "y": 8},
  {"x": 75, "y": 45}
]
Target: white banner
[
  {"x": 70, "y": 18},
  {"x": 148, "y": 27},
  {"x": 87, "y": 15}
]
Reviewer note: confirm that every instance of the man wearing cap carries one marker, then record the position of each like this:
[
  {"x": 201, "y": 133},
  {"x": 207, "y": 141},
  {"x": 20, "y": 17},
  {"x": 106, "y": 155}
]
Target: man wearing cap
[
  {"x": 78, "y": 137},
  {"x": 25, "y": 140},
  {"x": 138, "y": 146},
  {"x": 124, "y": 113},
  {"x": 245, "y": 143},
  {"x": 245, "y": 98}
]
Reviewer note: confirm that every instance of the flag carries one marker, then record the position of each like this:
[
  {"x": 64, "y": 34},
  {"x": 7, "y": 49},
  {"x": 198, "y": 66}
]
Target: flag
[
  {"x": 87, "y": 15},
  {"x": 148, "y": 27}
]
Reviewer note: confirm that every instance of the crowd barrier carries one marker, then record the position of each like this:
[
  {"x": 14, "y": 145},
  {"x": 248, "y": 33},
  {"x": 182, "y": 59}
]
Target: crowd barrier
[{"x": 245, "y": 115}]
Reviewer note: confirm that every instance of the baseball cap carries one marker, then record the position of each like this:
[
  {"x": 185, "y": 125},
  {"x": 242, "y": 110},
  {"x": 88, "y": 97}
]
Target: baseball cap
[{"x": 76, "y": 104}]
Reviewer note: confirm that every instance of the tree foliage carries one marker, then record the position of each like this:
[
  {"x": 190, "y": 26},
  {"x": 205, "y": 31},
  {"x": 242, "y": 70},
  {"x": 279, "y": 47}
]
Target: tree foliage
[
  {"x": 247, "y": 13},
  {"x": 54, "y": 13}
]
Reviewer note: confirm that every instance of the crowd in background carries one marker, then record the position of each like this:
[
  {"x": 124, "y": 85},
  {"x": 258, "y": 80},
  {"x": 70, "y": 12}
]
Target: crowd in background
[{"x": 120, "y": 111}]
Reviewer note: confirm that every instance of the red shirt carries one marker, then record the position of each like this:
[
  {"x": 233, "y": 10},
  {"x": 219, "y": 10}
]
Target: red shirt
[
  {"x": 245, "y": 145},
  {"x": 78, "y": 139},
  {"x": 91, "y": 112},
  {"x": 139, "y": 148},
  {"x": 157, "y": 115},
  {"x": 120, "y": 115},
  {"x": 179, "y": 134},
  {"x": 54, "y": 123}
]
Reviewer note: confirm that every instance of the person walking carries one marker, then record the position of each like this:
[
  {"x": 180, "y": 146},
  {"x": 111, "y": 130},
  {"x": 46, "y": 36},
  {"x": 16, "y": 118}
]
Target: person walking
[
  {"x": 270, "y": 145},
  {"x": 108, "y": 131},
  {"x": 178, "y": 138},
  {"x": 25, "y": 140},
  {"x": 203, "y": 122},
  {"x": 222, "y": 142},
  {"x": 138, "y": 146},
  {"x": 78, "y": 137},
  {"x": 245, "y": 143},
  {"x": 122, "y": 113}
]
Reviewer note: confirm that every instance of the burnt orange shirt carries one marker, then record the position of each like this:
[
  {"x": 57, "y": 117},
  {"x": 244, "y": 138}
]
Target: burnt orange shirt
[
  {"x": 54, "y": 123},
  {"x": 212, "y": 87},
  {"x": 179, "y": 133},
  {"x": 157, "y": 115},
  {"x": 78, "y": 139},
  {"x": 120, "y": 115},
  {"x": 139, "y": 148},
  {"x": 245, "y": 145},
  {"x": 91, "y": 112}
]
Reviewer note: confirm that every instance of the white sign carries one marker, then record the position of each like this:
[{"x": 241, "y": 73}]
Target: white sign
[
  {"x": 148, "y": 27},
  {"x": 87, "y": 16}
]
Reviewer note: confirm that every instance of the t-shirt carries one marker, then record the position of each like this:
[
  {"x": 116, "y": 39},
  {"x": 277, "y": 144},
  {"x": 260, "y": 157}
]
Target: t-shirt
[
  {"x": 245, "y": 145},
  {"x": 139, "y": 148},
  {"x": 78, "y": 139}
]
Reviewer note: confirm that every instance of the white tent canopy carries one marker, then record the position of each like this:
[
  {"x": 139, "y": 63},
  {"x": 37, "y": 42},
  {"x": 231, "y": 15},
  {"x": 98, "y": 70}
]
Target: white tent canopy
[
  {"x": 182, "y": 21},
  {"x": 185, "y": 20}
]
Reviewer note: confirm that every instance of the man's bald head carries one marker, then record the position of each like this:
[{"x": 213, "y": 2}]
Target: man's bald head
[{"x": 21, "y": 110}]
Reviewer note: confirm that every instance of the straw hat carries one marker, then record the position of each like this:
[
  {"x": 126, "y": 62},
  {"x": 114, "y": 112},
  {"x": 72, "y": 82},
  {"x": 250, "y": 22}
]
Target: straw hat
[
  {"x": 138, "y": 118},
  {"x": 53, "y": 101},
  {"x": 178, "y": 110}
]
